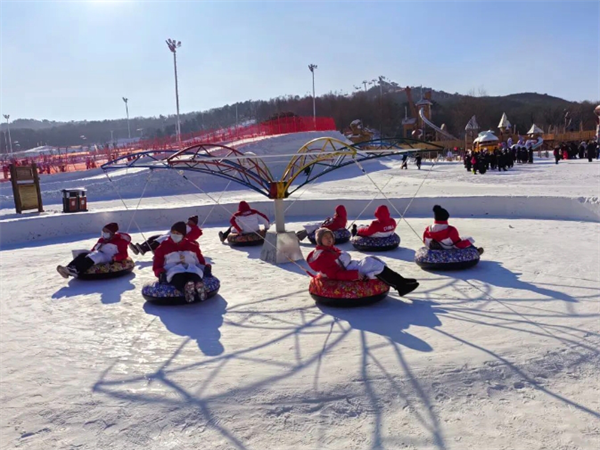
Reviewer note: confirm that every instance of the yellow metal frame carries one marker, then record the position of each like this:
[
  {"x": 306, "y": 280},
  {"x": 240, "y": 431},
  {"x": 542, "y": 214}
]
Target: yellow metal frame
[{"x": 298, "y": 163}]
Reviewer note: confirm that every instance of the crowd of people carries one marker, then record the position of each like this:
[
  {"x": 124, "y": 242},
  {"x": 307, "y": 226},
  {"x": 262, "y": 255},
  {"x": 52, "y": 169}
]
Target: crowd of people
[{"x": 585, "y": 150}]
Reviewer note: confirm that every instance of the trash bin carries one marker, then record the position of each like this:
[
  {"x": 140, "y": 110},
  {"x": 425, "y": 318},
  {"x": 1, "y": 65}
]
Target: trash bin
[{"x": 74, "y": 200}]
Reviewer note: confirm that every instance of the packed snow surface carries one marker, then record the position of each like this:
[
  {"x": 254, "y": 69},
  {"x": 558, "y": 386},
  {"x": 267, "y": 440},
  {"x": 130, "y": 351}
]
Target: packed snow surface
[{"x": 500, "y": 356}]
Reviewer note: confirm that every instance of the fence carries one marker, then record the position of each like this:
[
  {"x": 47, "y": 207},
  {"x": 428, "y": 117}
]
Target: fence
[{"x": 71, "y": 162}]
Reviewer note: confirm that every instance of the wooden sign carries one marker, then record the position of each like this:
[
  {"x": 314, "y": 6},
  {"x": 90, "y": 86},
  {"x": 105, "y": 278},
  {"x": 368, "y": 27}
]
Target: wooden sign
[{"x": 26, "y": 188}]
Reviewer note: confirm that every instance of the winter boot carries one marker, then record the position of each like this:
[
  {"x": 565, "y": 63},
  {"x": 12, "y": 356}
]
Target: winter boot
[
  {"x": 222, "y": 236},
  {"x": 133, "y": 248},
  {"x": 201, "y": 290},
  {"x": 189, "y": 292},
  {"x": 480, "y": 250},
  {"x": 301, "y": 235},
  {"x": 64, "y": 272},
  {"x": 354, "y": 230},
  {"x": 397, "y": 281}
]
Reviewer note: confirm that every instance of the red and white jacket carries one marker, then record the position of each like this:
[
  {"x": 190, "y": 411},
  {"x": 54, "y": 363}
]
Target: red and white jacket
[
  {"x": 169, "y": 255},
  {"x": 326, "y": 260},
  {"x": 115, "y": 248},
  {"x": 193, "y": 232},
  {"x": 445, "y": 235},
  {"x": 248, "y": 220},
  {"x": 384, "y": 226},
  {"x": 338, "y": 221}
]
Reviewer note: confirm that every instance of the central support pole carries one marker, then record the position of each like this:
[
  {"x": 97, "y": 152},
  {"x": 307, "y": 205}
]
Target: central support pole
[
  {"x": 280, "y": 246},
  {"x": 279, "y": 216}
]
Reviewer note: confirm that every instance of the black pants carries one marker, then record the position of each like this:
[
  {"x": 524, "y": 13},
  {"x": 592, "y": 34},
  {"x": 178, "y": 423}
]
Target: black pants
[
  {"x": 226, "y": 233},
  {"x": 81, "y": 263},
  {"x": 151, "y": 244},
  {"x": 179, "y": 280}
]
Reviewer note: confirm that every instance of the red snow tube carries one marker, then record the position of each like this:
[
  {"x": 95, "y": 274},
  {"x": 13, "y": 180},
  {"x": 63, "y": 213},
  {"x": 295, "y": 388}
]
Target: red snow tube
[
  {"x": 347, "y": 294},
  {"x": 246, "y": 239}
]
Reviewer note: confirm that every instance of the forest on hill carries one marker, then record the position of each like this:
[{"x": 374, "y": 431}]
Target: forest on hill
[{"x": 380, "y": 107}]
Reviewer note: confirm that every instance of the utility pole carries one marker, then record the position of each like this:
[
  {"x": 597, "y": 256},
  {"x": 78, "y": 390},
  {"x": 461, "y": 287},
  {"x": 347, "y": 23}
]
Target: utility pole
[
  {"x": 7, "y": 116},
  {"x": 127, "y": 112},
  {"x": 312, "y": 68},
  {"x": 173, "y": 46}
]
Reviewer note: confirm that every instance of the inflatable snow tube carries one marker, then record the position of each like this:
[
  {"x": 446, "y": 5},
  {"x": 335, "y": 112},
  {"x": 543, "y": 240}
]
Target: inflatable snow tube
[
  {"x": 112, "y": 270},
  {"x": 166, "y": 294},
  {"x": 246, "y": 239},
  {"x": 453, "y": 259},
  {"x": 347, "y": 294},
  {"x": 341, "y": 236},
  {"x": 375, "y": 244}
]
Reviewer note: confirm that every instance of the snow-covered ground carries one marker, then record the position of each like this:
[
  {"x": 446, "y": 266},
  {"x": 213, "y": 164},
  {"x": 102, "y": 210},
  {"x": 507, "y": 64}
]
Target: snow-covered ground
[{"x": 501, "y": 356}]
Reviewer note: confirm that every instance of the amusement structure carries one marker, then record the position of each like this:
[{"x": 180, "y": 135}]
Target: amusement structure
[{"x": 313, "y": 160}]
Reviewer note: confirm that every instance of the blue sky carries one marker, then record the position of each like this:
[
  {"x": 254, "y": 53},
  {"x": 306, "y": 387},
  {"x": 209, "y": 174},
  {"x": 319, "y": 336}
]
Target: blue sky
[{"x": 75, "y": 60}]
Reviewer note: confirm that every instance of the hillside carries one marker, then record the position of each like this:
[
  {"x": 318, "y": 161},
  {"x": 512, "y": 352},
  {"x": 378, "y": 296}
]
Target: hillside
[{"x": 376, "y": 111}]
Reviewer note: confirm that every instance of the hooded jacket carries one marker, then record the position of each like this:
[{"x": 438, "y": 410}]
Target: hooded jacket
[
  {"x": 248, "y": 220},
  {"x": 115, "y": 247},
  {"x": 170, "y": 254},
  {"x": 445, "y": 235},
  {"x": 384, "y": 226},
  {"x": 325, "y": 260},
  {"x": 338, "y": 221}
]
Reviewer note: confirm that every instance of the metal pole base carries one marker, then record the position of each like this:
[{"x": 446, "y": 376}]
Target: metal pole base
[{"x": 280, "y": 248}]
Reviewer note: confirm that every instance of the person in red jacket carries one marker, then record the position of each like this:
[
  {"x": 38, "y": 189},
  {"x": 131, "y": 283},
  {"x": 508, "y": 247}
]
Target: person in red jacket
[
  {"x": 179, "y": 262},
  {"x": 246, "y": 220},
  {"x": 337, "y": 222},
  {"x": 335, "y": 264},
  {"x": 193, "y": 233},
  {"x": 112, "y": 246},
  {"x": 383, "y": 226},
  {"x": 441, "y": 236}
]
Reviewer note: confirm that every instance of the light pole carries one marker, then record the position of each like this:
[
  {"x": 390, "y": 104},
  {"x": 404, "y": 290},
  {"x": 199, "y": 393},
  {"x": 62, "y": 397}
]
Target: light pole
[
  {"x": 312, "y": 68},
  {"x": 112, "y": 141},
  {"x": 7, "y": 116},
  {"x": 381, "y": 78},
  {"x": 127, "y": 111},
  {"x": 173, "y": 46}
]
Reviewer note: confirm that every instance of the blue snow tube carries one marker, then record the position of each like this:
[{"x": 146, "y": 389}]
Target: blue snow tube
[
  {"x": 453, "y": 259},
  {"x": 375, "y": 244},
  {"x": 166, "y": 294},
  {"x": 341, "y": 236}
]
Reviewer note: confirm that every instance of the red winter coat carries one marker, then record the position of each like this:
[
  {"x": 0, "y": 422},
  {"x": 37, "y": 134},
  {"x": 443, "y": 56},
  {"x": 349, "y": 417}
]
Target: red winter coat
[
  {"x": 170, "y": 253},
  {"x": 115, "y": 246},
  {"x": 248, "y": 220},
  {"x": 325, "y": 260},
  {"x": 444, "y": 234},
  {"x": 339, "y": 220},
  {"x": 194, "y": 233},
  {"x": 384, "y": 226}
]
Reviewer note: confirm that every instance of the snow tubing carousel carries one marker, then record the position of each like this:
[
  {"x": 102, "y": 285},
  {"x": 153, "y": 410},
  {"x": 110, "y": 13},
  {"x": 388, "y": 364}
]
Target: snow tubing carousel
[
  {"x": 341, "y": 236},
  {"x": 108, "y": 270},
  {"x": 452, "y": 259},
  {"x": 246, "y": 239},
  {"x": 347, "y": 294},
  {"x": 166, "y": 294},
  {"x": 375, "y": 244}
]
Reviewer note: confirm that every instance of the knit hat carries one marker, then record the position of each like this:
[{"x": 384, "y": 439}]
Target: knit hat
[
  {"x": 440, "y": 214},
  {"x": 179, "y": 227},
  {"x": 320, "y": 234},
  {"x": 193, "y": 219},
  {"x": 112, "y": 227}
]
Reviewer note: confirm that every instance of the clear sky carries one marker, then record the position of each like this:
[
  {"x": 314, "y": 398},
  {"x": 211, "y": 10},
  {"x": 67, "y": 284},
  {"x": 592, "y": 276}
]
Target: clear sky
[{"x": 75, "y": 60}]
